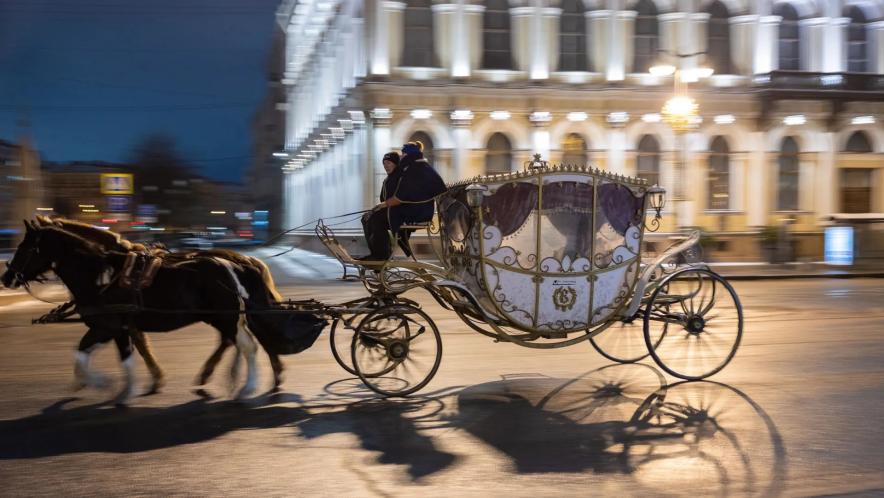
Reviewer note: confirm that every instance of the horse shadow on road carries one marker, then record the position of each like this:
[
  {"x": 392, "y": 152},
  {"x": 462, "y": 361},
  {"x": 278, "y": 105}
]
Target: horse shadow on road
[{"x": 623, "y": 419}]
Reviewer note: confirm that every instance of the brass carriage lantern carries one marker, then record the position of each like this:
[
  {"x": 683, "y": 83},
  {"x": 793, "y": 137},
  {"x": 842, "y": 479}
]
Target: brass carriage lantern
[
  {"x": 475, "y": 195},
  {"x": 657, "y": 199}
]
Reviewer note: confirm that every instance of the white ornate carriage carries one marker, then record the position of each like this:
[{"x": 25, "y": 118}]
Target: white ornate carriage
[{"x": 545, "y": 257}]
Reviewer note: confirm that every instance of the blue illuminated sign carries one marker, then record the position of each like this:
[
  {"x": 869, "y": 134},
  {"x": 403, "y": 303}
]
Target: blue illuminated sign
[{"x": 839, "y": 245}]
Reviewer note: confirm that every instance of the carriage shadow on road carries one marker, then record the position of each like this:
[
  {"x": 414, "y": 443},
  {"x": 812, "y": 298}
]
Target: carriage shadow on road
[{"x": 621, "y": 420}]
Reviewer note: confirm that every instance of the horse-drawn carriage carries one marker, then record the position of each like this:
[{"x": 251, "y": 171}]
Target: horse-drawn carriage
[{"x": 543, "y": 258}]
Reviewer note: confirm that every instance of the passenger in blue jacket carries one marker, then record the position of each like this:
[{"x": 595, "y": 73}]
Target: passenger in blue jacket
[{"x": 407, "y": 197}]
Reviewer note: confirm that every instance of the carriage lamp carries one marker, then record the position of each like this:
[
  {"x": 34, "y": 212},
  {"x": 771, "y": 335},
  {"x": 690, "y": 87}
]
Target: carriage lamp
[
  {"x": 536, "y": 163},
  {"x": 657, "y": 199},
  {"x": 475, "y": 195}
]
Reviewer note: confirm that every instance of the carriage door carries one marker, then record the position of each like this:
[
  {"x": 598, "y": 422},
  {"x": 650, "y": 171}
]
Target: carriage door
[{"x": 856, "y": 190}]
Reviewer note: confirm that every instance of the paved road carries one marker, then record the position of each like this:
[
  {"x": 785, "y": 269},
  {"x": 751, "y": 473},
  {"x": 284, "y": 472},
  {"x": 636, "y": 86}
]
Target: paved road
[{"x": 797, "y": 413}]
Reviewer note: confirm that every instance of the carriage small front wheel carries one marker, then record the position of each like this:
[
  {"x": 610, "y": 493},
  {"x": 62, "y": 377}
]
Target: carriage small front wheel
[
  {"x": 693, "y": 323},
  {"x": 396, "y": 350}
]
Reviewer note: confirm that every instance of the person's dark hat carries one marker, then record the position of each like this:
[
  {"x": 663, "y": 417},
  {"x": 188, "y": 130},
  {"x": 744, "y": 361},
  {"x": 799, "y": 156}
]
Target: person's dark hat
[{"x": 393, "y": 157}]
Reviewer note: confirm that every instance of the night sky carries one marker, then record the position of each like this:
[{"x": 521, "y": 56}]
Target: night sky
[{"x": 92, "y": 77}]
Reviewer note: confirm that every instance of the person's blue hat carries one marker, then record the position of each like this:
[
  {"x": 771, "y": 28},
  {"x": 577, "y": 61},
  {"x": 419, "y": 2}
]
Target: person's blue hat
[{"x": 413, "y": 148}]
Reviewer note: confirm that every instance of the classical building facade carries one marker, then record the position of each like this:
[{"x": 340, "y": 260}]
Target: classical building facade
[{"x": 791, "y": 119}]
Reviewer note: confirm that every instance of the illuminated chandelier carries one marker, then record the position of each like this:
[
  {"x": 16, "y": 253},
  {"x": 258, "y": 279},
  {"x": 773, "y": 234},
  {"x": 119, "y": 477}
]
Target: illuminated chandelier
[{"x": 681, "y": 112}]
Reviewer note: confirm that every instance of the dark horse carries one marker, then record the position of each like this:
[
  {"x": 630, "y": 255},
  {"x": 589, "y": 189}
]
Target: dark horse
[
  {"x": 201, "y": 289},
  {"x": 252, "y": 272}
]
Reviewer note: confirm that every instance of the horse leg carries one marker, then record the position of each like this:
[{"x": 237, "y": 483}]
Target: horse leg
[
  {"x": 124, "y": 347},
  {"x": 212, "y": 362},
  {"x": 278, "y": 367},
  {"x": 245, "y": 344},
  {"x": 83, "y": 375},
  {"x": 142, "y": 344}
]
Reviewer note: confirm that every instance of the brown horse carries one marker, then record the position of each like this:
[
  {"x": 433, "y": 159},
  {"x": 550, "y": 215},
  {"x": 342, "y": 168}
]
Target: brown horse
[
  {"x": 112, "y": 241},
  {"x": 199, "y": 290}
]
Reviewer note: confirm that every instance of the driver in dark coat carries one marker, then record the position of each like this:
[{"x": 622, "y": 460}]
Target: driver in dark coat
[{"x": 408, "y": 197}]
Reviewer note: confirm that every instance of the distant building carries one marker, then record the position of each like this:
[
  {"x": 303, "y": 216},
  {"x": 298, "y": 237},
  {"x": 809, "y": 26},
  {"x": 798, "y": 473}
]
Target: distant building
[
  {"x": 791, "y": 119},
  {"x": 265, "y": 178},
  {"x": 74, "y": 191},
  {"x": 21, "y": 189}
]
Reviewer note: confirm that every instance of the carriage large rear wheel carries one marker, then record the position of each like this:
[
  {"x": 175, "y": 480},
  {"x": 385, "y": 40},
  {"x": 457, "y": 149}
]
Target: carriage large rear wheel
[
  {"x": 396, "y": 350},
  {"x": 622, "y": 341},
  {"x": 340, "y": 337},
  {"x": 693, "y": 323}
]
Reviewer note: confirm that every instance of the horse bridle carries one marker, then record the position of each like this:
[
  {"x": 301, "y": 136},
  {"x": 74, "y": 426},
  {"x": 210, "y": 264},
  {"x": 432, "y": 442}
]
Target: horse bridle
[{"x": 18, "y": 276}]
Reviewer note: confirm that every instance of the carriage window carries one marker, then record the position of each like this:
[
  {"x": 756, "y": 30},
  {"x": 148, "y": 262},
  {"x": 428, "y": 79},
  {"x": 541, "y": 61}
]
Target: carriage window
[
  {"x": 787, "y": 184},
  {"x": 790, "y": 40},
  {"x": 648, "y": 161},
  {"x": 572, "y": 37},
  {"x": 419, "y": 34},
  {"x": 427, "y": 141},
  {"x": 719, "y": 175},
  {"x": 858, "y": 142},
  {"x": 496, "y": 35},
  {"x": 718, "y": 38},
  {"x": 499, "y": 156},
  {"x": 856, "y": 41},
  {"x": 646, "y": 36},
  {"x": 574, "y": 150}
]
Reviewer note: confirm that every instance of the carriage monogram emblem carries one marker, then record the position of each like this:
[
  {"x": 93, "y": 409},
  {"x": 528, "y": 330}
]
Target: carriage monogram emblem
[{"x": 564, "y": 298}]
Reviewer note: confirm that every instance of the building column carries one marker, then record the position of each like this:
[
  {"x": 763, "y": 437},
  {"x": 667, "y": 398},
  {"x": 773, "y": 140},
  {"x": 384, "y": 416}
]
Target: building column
[
  {"x": 812, "y": 48},
  {"x": 385, "y": 20},
  {"x": 472, "y": 39},
  {"x": 461, "y": 121},
  {"x": 446, "y": 27},
  {"x": 766, "y": 49},
  {"x": 827, "y": 183},
  {"x": 758, "y": 204},
  {"x": 875, "y": 46},
  {"x": 379, "y": 143},
  {"x": 743, "y": 31},
  {"x": 621, "y": 47},
  {"x": 522, "y": 37},
  {"x": 548, "y": 47},
  {"x": 598, "y": 27},
  {"x": 540, "y": 137},
  {"x": 617, "y": 146}
]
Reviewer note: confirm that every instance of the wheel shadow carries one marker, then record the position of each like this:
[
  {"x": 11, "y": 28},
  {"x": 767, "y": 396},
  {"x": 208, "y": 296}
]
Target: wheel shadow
[
  {"x": 622, "y": 420},
  {"x": 626, "y": 420}
]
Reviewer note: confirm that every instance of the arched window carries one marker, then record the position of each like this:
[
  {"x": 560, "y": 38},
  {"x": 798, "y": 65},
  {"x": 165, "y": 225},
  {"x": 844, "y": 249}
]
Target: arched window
[
  {"x": 719, "y": 175},
  {"x": 646, "y": 36},
  {"x": 857, "y": 57},
  {"x": 790, "y": 40},
  {"x": 856, "y": 183},
  {"x": 419, "y": 34},
  {"x": 499, "y": 156},
  {"x": 572, "y": 37},
  {"x": 858, "y": 142},
  {"x": 787, "y": 176},
  {"x": 427, "y": 141},
  {"x": 718, "y": 44},
  {"x": 648, "y": 161},
  {"x": 496, "y": 53},
  {"x": 574, "y": 150}
]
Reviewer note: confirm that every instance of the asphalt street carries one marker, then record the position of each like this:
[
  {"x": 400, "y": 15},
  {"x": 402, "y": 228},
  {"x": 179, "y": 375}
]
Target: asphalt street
[{"x": 797, "y": 413}]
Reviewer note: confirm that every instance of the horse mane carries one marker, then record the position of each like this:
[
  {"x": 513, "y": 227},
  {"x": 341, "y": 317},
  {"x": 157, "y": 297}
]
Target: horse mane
[
  {"x": 106, "y": 238},
  {"x": 78, "y": 243}
]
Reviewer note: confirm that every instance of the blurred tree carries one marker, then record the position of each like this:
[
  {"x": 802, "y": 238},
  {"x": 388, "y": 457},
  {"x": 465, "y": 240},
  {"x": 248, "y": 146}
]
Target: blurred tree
[{"x": 163, "y": 178}]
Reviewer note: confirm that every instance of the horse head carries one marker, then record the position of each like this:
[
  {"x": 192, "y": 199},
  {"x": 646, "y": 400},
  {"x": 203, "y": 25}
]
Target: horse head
[{"x": 28, "y": 263}]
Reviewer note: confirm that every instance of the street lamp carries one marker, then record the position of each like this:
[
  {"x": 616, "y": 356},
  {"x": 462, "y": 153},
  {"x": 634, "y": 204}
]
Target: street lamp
[{"x": 681, "y": 111}]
